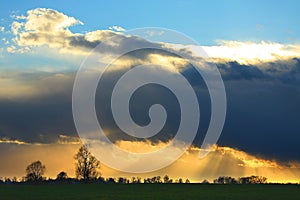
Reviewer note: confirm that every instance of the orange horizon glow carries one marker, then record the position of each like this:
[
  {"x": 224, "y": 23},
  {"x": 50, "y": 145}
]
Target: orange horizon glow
[{"x": 222, "y": 161}]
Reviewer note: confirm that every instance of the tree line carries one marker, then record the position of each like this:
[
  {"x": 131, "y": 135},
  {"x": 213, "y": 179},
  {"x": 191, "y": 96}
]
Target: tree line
[{"x": 87, "y": 169}]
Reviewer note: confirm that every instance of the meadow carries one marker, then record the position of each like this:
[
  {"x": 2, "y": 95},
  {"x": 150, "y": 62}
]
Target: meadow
[{"x": 148, "y": 191}]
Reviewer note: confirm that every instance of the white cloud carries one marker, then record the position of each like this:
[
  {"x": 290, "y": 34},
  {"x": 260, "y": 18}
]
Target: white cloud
[
  {"x": 18, "y": 17},
  {"x": 10, "y": 141},
  {"x": 43, "y": 26},
  {"x": 15, "y": 26},
  {"x": 2, "y": 28},
  {"x": 14, "y": 49},
  {"x": 64, "y": 139},
  {"x": 47, "y": 27},
  {"x": 5, "y": 41},
  {"x": 249, "y": 52},
  {"x": 154, "y": 33},
  {"x": 116, "y": 28},
  {"x": 48, "y": 20}
]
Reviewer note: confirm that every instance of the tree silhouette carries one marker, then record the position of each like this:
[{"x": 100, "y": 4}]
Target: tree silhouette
[
  {"x": 166, "y": 179},
  {"x": 61, "y": 176},
  {"x": 87, "y": 165},
  {"x": 225, "y": 180},
  {"x": 123, "y": 180},
  {"x": 253, "y": 180},
  {"x": 136, "y": 180},
  {"x": 35, "y": 171},
  {"x": 110, "y": 180},
  {"x": 205, "y": 181}
]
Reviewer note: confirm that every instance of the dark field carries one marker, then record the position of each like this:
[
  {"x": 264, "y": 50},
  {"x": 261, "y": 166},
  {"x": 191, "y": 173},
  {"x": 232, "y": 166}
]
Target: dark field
[{"x": 149, "y": 191}]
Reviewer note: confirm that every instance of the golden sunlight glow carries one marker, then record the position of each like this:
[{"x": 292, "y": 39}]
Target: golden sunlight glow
[
  {"x": 222, "y": 161},
  {"x": 139, "y": 146},
  {"x": 173, "y": 64}
]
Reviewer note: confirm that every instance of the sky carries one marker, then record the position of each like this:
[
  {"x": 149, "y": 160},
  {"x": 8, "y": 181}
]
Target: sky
[
  {"x": 205, "y": 21},
  {"x": 255, "y": 45}
]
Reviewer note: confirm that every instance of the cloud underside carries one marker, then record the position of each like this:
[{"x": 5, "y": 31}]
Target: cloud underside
[{"x": 221, "y": 161}]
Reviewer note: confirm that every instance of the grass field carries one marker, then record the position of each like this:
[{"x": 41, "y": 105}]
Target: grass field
[{"x": 149, "y": 191}]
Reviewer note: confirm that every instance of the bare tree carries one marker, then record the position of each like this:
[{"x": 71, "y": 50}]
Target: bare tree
[
  {"x": 87, "y": 165},
  {"x": 35, "y": 171}
]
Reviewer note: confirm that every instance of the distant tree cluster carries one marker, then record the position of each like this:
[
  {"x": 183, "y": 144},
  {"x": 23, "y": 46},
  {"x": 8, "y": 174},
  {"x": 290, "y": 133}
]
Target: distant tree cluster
[
  {"x": 241, "y": 180},
  {"x": 87, "y": 170},
  {"x": 155, "y": 179}
]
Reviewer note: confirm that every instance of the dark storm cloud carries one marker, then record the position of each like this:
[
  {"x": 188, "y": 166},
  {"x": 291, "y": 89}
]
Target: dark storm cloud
[
  {"x": 263, "y": 108},
  {"x": 285, "y": 71},
  {"x": 41, "y": 111},
  {"x": 235, "y": 71},
  {"x": 262, "y": 117}
]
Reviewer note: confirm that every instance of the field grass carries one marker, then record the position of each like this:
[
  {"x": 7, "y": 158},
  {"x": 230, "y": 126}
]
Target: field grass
[{"x": 148, "y": 191}]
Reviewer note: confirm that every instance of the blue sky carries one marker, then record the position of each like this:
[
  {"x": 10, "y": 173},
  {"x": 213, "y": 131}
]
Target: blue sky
[{"x": 205, "y": 21}]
